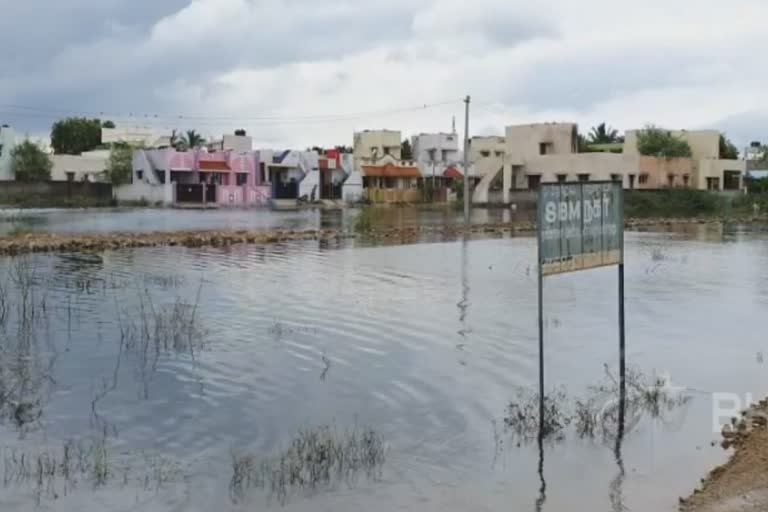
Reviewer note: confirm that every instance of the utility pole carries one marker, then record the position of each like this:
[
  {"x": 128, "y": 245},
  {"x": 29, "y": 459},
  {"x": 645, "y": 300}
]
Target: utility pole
[{"x": 466, "y": 161}]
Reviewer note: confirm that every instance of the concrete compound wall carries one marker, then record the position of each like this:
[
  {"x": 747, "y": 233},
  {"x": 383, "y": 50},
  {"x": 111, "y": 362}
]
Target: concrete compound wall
[{"x": 141, "y": 191}]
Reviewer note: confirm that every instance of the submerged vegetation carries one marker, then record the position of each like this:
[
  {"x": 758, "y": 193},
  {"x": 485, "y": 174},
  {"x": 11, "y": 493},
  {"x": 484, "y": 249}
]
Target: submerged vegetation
[
  {"x": 55, "y": 472},
  {"x": 595, "y": 416},
  {"x": 317, "y": 457}
]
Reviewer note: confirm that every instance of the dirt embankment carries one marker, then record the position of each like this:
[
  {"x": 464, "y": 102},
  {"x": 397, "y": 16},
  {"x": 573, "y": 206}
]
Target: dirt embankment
[
  {"x": 741, "y": 484},
  {"x": 50, "y": 242}
]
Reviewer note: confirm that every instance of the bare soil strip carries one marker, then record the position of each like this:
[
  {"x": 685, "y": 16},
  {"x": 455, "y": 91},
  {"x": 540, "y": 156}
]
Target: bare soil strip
[
  {"x": 53, "y": 242},
  {"x": 741, "y": 484}
]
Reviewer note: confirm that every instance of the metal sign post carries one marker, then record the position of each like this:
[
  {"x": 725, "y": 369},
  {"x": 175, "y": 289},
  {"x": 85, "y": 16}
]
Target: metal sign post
[{"x": 581, "y": 226}]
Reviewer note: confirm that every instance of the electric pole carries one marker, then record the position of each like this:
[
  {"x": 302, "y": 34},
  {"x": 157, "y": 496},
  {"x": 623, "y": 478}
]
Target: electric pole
[{"x": 466, "y": 161}]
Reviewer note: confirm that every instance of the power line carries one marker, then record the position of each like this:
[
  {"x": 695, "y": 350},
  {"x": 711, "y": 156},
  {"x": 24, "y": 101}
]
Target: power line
[{"x": 25, "y": 111}]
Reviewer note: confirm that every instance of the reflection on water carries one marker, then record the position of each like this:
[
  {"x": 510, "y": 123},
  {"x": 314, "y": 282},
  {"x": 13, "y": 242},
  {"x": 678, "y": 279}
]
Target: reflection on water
[
  {"x": 17, "y": 222},
  {"x": 189, "y": 353}
]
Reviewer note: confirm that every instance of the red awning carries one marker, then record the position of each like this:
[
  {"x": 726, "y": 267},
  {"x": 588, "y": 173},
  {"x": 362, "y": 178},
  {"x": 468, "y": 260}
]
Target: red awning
[
  {"x": 212, "y": 165},
  {"x": 391, "y": 171},
  {"x": 452, "y": 173}
]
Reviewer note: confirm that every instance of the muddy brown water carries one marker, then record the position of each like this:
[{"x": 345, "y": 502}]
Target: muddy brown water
[{"x": 426, "y": 343}]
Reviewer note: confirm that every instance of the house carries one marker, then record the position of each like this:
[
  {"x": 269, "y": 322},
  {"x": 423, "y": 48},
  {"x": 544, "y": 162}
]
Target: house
[
  {"x": 549, "y": 152},
  {"x": 7, "y": 143},
  {"x": 371, "y": 145},
  {"x": 88, "y": 166},
  {"x": 438, "y": 158},
  {"x": 390, "y": 180},
  {"x": 224, "y": 178},
  {"x": 710, "y": 171},
  {"x": 486, "y": 155}
]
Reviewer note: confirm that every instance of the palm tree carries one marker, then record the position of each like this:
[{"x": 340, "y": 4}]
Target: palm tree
[
  {"x": 603, "y": 134},
  {"x": 193, "y": 139}
]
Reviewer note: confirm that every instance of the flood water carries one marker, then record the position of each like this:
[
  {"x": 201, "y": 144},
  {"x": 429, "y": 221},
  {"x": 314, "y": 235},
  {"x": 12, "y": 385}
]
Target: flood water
[
  {"x": 139, "y": 220},
  {"x": 425, "y": 343}
]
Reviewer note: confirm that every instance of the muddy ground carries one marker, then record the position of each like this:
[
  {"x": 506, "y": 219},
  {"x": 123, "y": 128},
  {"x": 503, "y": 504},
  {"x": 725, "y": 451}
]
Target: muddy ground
[{"x": 741, "y": 484}]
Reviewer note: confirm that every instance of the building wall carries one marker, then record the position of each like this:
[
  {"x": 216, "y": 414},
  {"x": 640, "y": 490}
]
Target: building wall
[
  {"x": 715, "y": 168},
  {"x": 523, "y": 142},
  {"x": 86, "y": 167},
  {"x": 237, "y": 143},
  {"x": 371, "y": 145},
  {"x": 142, "y": 191},
  {"x": 703, "y": 143},
  {"x": 487, "y": 154},
  {"x": 134, "y": 135},
  {"x": 599, "y": 166},
  {"x": 7, "y": 143},
  {"x": 660, "y": 172}
]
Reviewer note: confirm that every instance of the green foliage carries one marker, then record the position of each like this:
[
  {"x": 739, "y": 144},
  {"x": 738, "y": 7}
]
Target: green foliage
[
  {"x": 675, "y": 202},
  {"x": 120, "y": 165},
  {"x": 653, "y": 141},
  {"x": 107, "y": 124},
  {"x": 406, "y": 151},
  {"x": 75, "y": 135},
  {"x": 603, "y": 134},
  {"x": 367, "y": 219},
  {"x": 30, "y": 163},
  {"x": 457, "y": 186},
  {"x": 193, "y": 139},
  {"x": 728, "y": 150},
  {"x": 756, "y": 186}
]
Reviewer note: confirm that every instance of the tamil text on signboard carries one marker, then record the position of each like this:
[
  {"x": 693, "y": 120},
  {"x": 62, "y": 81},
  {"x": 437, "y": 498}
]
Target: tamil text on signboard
[{"x": 581, "y": 226}]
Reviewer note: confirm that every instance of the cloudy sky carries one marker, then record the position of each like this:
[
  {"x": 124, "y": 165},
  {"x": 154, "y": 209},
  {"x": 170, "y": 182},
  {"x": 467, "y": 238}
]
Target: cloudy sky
[{"x": 305, "y": 72}]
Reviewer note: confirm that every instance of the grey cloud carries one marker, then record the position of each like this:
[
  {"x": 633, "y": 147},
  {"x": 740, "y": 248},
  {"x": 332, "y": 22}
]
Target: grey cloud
[
  {"x": 115, "y": 54},
  {"x": 579, "y": 82}
]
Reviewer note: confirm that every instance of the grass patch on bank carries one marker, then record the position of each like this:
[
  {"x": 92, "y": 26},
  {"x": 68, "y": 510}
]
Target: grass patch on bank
[{"x": 673, "y": 203}]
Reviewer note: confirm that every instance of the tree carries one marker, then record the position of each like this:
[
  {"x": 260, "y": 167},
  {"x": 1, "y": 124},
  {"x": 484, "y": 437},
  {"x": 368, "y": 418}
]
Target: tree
[
  {"x": 653, "y": 141},
  {"x": 728, "y": 151},
  {"x": 603, "y": 134},
  {"x": 107, "y": 124},
  {"x": 343, "y": 149},
  {"x": 30, "y": 163},
  {"x": 120, "y": 165},
  {"x": 74, "y": 135},
  {"x": 193, "y": 139},
  {"x": 176, "y": 141},
  {"x": 406, "y": 151}
]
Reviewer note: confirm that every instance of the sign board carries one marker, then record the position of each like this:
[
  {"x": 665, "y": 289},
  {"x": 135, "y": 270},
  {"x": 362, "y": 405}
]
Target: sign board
[{"x": 581, "y": 226}]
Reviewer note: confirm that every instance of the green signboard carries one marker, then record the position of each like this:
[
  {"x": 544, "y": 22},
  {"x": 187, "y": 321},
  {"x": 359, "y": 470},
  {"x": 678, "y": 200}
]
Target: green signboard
[{"x": 581, "y": 225}]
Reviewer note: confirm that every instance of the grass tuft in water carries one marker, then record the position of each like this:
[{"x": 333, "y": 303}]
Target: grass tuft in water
[{"x": 315, "y": 458}]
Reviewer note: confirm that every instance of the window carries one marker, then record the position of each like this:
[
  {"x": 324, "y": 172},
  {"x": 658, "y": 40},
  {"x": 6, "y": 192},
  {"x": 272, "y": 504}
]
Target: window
[
  {"x": 70, "y": 176},
  {"x": 583, "y": 177},
  {"x": 262, "y": 178},
  {"x": 431, "y": 155},
  {"x": 631, "y": 181},
  {"x": 713, "y": 183},
  {"x": 386, "y": 150},
  {"x": 499, "y": 154},
  {"x": 671, "y": 180},
  {"x": 445, "y": 155},
  {"x": 616, "y": 177},
  {"x": 485, "y": 154},
  {"x": 534, "y": 180},
  {"x": 546, "y": 148},
  {"x": 686, "y": 179},
  {"x": 643, "y": 180},
  {"x": 562, "y": 178},
  {"x": 161, "y": 176},
  {"x": 140, "y": 175},
  {"x": 241, "y": 179}
]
